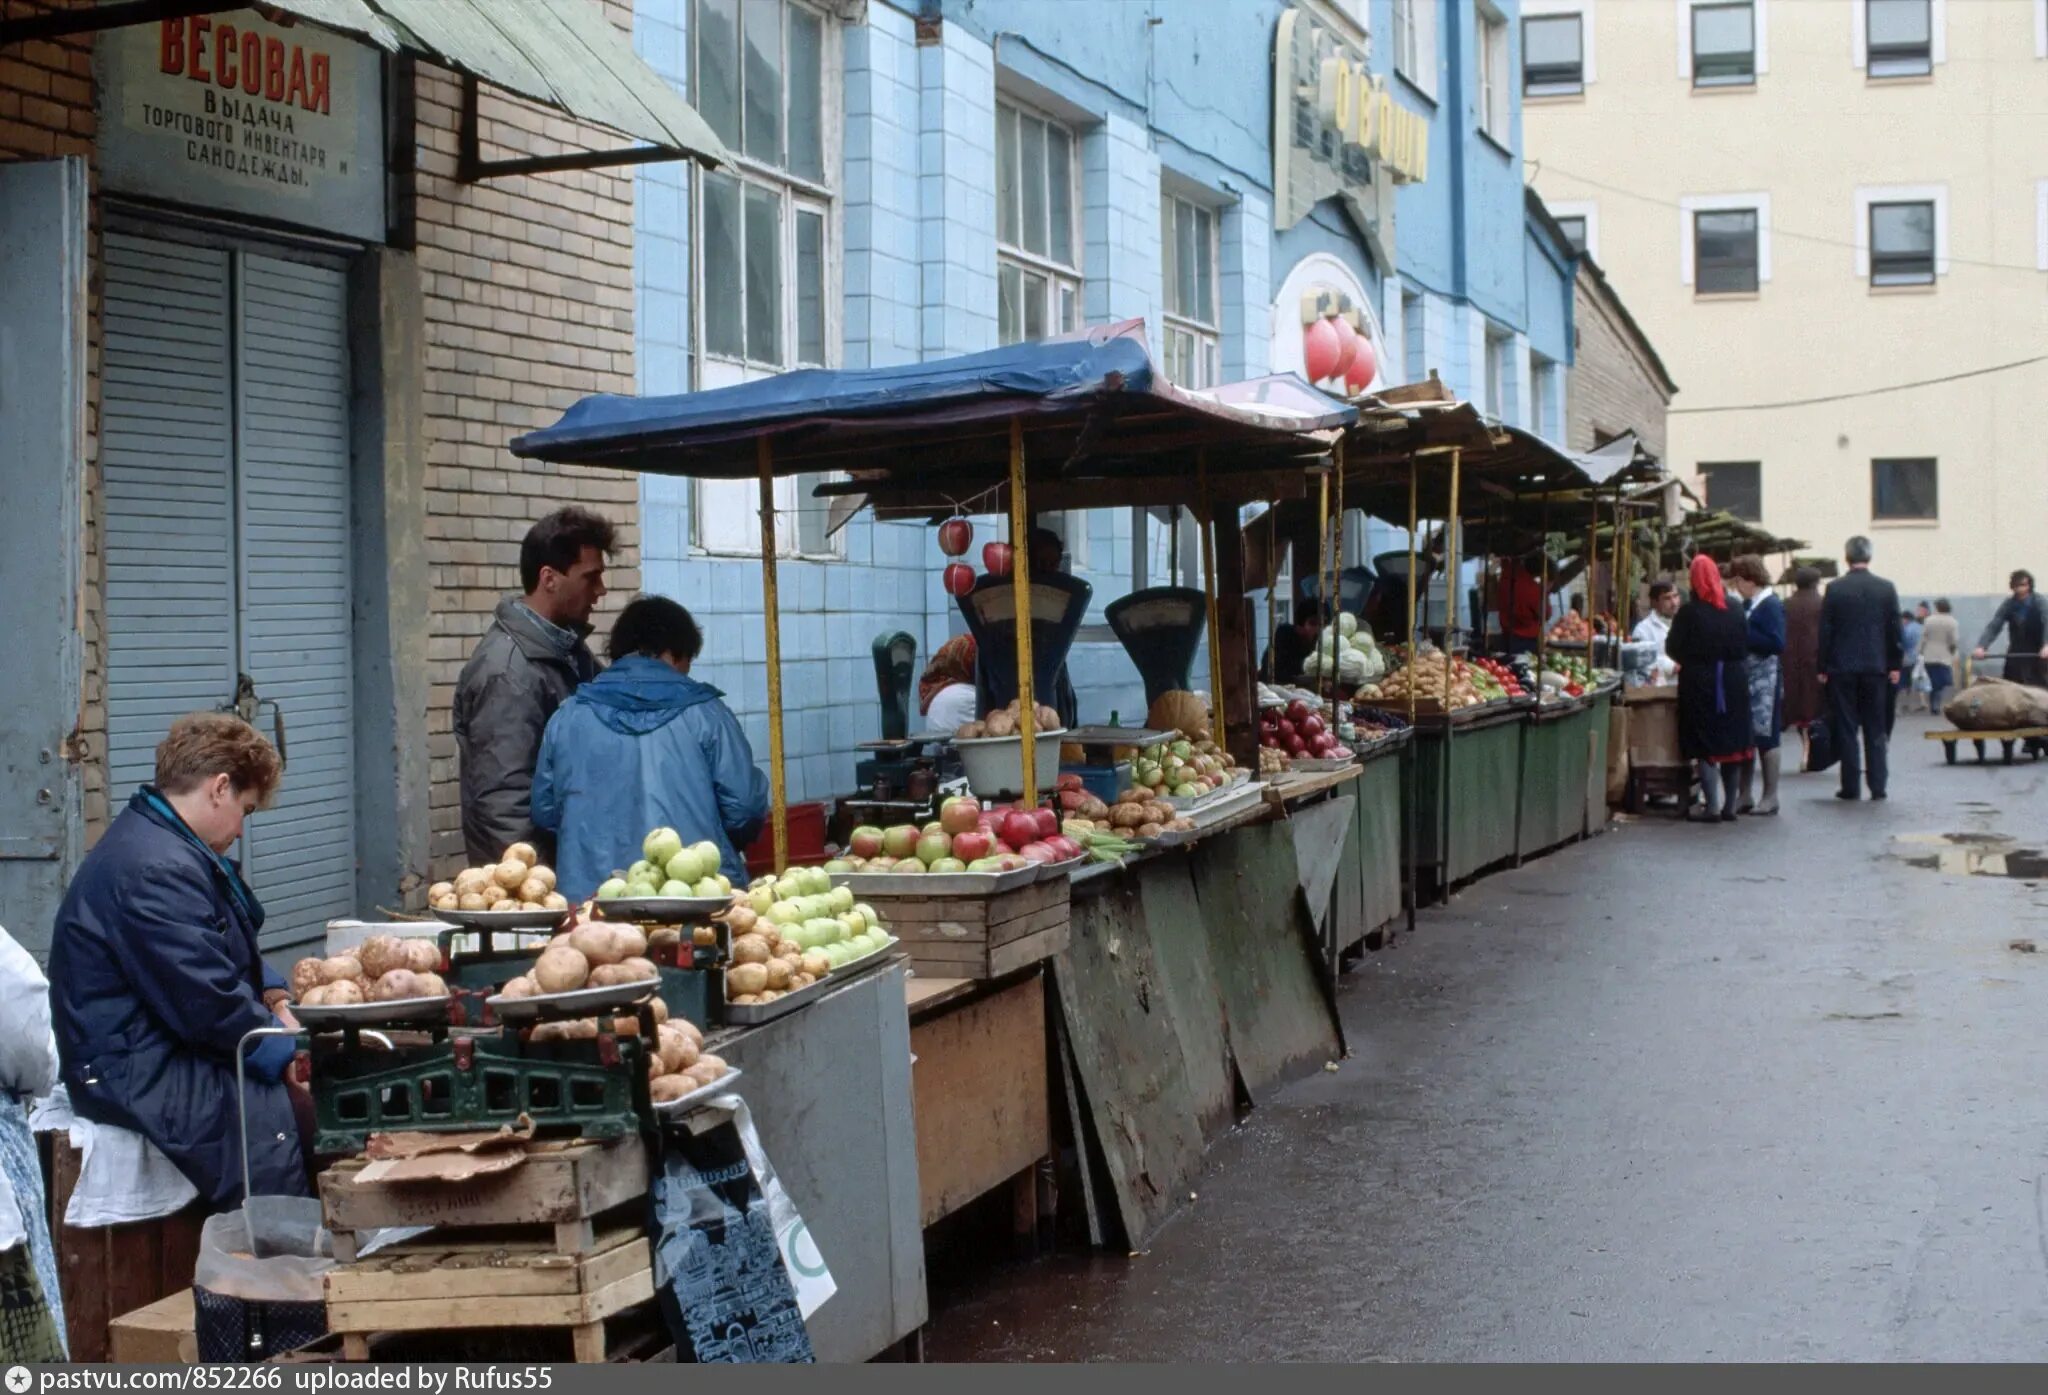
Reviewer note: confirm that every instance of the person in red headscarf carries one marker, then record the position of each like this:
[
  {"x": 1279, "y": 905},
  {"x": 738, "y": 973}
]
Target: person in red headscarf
[
  {"x": 1709, "y": 642},
  {"x": 945, "y": 693}
]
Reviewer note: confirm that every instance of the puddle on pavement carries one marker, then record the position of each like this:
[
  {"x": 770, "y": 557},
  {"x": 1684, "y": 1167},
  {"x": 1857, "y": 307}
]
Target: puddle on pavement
[{"x": 1972, "y": 855}]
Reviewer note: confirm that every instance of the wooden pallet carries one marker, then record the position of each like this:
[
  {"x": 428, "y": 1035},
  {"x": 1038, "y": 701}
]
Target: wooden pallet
[
  {"x": 432, "y": 1287},
  {"x": 2006, "y": 739},
  {"x": 979, "y": 937},
  {"x": 561, "y": 1189}
]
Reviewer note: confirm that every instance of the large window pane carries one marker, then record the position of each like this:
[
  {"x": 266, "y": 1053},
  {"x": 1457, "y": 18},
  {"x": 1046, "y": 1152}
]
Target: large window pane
[
  {"x": 1900, "y": 34},
  {"x": 717, "y": 33},
  {"x": 1901, "y": 244},
  {"x": 764, "y": 275},
  {"x": 1059, "y": 180},
  {"x": 1574, "y": 230},
  {"x": 1735, "y": 486},
  {"x": 1205, "y": 266},
  {"x": 1170, "y": 267},
  {"x": 1009, "y": 304},
  {"x": 1723, "y": 45},
  {"x": 723, "y": 267},
  {"x": 1551, "y": 55},
  {"x": 810, "y": 287},
  {"x": 1184, "y": 255},
  {"x": 1009, "y": 223},
  {"x": 763, "y": 94},
  {"x": 1031, "y": 173},
  {"x": 1903, "y": 489},
  {"x": 1070, "y": 308},
  {"x": 806, "y": 95},
  {"x": 1725, "y": 251},
  {"x": 1034, "y": 306}
]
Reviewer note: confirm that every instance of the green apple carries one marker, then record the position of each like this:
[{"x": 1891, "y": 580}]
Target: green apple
[
  {"x": 643, "y": 871},
  {"x": 661, "y": 845},
  {"x": 686, "y": 866},
  {"x": 708, "y": 887},
  {"x": 612, "y": 888},
  {"x": 869, "y": 911},
  {"x": 841, "y": 897},
  {"x": 783, "y": 913},
  {"x": 672, "y": 887},
  {"x": 817, "y": 881},
  {"x": 761, "y": 898},
  {"x": 787, "y": 888},
  {"x": 985, "y": 864},
  {"x": 854, "y": 921},
  {"x": 944, "y": 864},
  {"x": 708, "y": 851}
]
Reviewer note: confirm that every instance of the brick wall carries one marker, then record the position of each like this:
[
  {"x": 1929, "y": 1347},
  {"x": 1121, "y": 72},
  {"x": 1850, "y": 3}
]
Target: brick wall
[
  {"x": 1613, "y": 385},
  {"x": 528, "y": 306},
  {"x": 46, "y": 110}
]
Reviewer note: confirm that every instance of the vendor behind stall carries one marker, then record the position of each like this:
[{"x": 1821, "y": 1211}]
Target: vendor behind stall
[
  {"x": 1292, "y": 644},
  {"x": 156, "y": 976},
  {"x": 945, "y": 691},
  {"x": 643, "y": 746}
]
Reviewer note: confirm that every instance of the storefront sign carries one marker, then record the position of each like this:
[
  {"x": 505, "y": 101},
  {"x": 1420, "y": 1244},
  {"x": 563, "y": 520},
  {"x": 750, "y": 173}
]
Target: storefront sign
[
  {"x": 1337, "y": 129},
  {"x": 233, "y": 113}
]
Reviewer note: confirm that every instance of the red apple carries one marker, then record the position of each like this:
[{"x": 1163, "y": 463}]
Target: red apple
[
  {"x": 900, "y": 842},
  {"x": 933, "y": 827},
  {"x": 955, "y": 534},
  {"x": 1064, "y": 846},
  {"x": 972, "y": 846},
  {"x": 958, "y": 578},
  {"x": 932, "y": 847},
  {"x": 1311, "y": 725},
  {"x": 1040, "y": 853},
  {"x": 1048, "y": 822},
  {"x": 865, "y": 841},
  {"x": 1297, "y": 710},
  {"x": 995, "y": 558},
  {"x": 1019, "y": 829},
  {"x": 1295, "y": 746},
  {"x": 960, "y": 814},
  {"x": 1287, "y": 729}
]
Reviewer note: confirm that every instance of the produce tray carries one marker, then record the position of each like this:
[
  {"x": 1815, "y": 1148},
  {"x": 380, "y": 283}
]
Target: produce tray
[
  {"x": 699, "y": 1095},
  {"x": 1223, "y": 791},
  {"x": 660, "y": 910},
  {"x": 1065, "y": 867},
  {"x": 324, "y": 1018},
  {"x": 939, "y": 884},
  {"x": 1114, "y": 736},
  {"x": 1314, "y": 765},
  {"x": 577, "y": 1002},
  {"x": 1217, "y": 809},
  {"x": 753, "y": 1014},
  {"x": 503, "y": 920}
]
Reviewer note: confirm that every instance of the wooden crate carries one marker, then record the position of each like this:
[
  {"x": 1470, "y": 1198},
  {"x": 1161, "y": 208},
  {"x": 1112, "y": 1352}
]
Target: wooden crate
[
  {"x": 562, "y": 1188},
  {"x": 160, "y": 1334},
  {"x": 107, "y": 1271},
  {"x": 982, "y": 1098},
  {"x": 433, "y": 1286},
  {"x": 979, "y": 936}
]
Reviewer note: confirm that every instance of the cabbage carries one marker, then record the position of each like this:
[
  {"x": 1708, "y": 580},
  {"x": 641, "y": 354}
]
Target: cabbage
[
  {"x": 1313, "y": 668},
  {"x": 1351, "y": 668},
  {"x": 1347, "y": 623}
]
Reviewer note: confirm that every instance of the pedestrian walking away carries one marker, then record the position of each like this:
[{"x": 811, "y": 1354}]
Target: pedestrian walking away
[
  {"x": 2024, "y": 615},
  {"x": 1941, "y": 643},
  {"x": 1804, "y": 697},
  {"x": 1766, "y": 620},
  {"x": 1862, "y": 646},
  {"x": 1902, "y": 687},
  {"x": 1709, "y": 642}
]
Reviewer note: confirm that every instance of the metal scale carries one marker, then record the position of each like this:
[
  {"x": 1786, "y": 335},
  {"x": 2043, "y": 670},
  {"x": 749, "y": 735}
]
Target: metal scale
[{"x": 898, "y": 780}]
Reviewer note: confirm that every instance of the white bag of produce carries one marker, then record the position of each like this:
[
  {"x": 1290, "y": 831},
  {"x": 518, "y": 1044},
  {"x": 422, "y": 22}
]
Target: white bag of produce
[{"x": 807, "y": 1271}]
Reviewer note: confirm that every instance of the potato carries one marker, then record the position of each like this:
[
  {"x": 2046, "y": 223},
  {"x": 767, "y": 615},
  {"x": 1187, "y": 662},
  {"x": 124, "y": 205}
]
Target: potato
[
  {"x": 788, "y": 949},
  {"x": 430, "y": 985},
  {"x": 561, "y": 970},
  {"x": 658, "y": 1008},
  {"x": 655, "y": 1068},
  {"x": 668, "y": 937},
  {"x": 316, "y": 996},
  {"x": 670, "y": 1087},
  {"x": 581, "y": 1029},
  {"x": 629, "y": 940},
  {"x": 421, "y": 956},
  {"x": 638, "y": 968},
  {"x": 535, "y": 872},
  {"x": 380, "y": 954},
  {"x": 510, "y": 873},
  {"x": 624, "y": 1026},
  {"x": 741, "y": 919},
  {"x": 744, "y": 1000},
  {"x": 704, "y": 937},
  {"x": 699, "y": 1077},
  {"x": 750, "y": 949},
  {"x": 779, "y": 973},
  {"x": 472, "y": 879},
  {"x": 522, "y": 852},
  {"x": 770, "y": 995},
  {"x": 746, "y": 979},
  {"x": 533, "y": 888},
  {"x": 1149, "y": 830},
  {"x": 305, "y": 977},
  {"x": 595, "y": 943},
  {"x": 608, "y": 976},
  {"x": 450, "y": 902},
  {"x": 689, "y": 1029},
  {"x": 715, "y": 1064},
  {"x": 802, "y": 981},
  {"x": 394, "y": 985},
  {"x": 554, "y": 901},
  {"x": 520, "y": 987},
  {"x": 675, "y": 1047},
  {"x": 815, "y": 964},
  {"x": 340, "y": 967}
]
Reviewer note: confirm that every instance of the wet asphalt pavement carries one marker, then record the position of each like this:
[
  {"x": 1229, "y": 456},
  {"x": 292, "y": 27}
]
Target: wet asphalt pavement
[{"x": 1755, "y": 1092}]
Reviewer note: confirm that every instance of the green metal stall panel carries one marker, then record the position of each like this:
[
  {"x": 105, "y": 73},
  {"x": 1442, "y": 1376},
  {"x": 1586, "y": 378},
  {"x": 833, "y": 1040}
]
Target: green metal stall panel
[{"x": 1467, "y": 792}]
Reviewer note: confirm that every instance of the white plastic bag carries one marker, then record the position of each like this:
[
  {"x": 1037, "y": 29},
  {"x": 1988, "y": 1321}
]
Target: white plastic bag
[
  {"x": 808, "y": 1273},
  {"x": 273, "y": 1251}
]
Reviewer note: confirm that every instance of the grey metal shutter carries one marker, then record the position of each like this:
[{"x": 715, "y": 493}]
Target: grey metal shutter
[{"x": 293, "y": 476}]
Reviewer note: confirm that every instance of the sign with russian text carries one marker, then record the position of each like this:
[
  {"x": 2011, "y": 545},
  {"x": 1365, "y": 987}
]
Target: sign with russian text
[
  {"x": 237, "y": 114},
  {"x": 1337, "y": 129}
]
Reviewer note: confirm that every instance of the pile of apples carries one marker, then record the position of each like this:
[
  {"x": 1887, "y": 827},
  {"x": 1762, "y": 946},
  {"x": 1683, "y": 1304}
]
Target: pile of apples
[
  {"x": 1298, "y": 730},
  {"x": 1509, "y": 681},
  {"x": 667, "y": 868},
  {"x": 964, "y": 838}
]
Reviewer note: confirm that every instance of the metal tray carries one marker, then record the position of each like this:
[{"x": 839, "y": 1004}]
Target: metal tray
[
  {"x": 1114, "y": 736},
  {"x": 503, "y": 920},
  {"x": 700, "y": 1094},
  {"x": 939, "y": 884},
  {"x": 1206, "y": 801},
  {"x": 1208, "y": 815},
  {"x": 1173, "y": 838},
  {"x": 1316, "y": 765},
  {"x": 320, "y": 1018},
  {"x": 852, "y": 964},
  {"x": 1065, "y": 867},
  {"x": 577, "y": 1002},
  {"x": 660, "y": 910}
]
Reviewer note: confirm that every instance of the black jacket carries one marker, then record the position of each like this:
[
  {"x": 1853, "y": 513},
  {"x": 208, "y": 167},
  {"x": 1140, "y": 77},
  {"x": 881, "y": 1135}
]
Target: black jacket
[
  {"x": 1860, "y": 631},
  {"x": 2027, "y": 619}
]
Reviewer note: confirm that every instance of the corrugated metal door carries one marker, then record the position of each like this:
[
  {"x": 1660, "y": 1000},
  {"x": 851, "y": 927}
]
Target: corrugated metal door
[{"x": 225, "y": 452}]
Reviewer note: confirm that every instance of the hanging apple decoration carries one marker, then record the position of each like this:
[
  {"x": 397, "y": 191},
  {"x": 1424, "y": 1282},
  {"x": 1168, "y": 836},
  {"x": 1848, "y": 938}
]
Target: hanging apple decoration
[
  {"x": 1347, "y": 344},
  {"x": 1363, "y": 365},
  {"x": 955, "y": 535},
  {"x": 995, "y": 558},
  {"x": 958, "y": 578},
  {"x": 1320, "y": 348}
]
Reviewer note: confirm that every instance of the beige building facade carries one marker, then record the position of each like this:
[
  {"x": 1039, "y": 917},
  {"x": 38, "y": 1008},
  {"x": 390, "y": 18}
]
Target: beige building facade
[{"x": 1816, "y": 209}]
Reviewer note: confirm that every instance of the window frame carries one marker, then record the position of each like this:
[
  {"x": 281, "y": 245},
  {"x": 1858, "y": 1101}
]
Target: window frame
[
  {"x": 1496, "y": 75},
  {"x": 1933, "y": 463},
  {"x": 1560, "y": 83},
  {"x": 1878, "y": 275},
  {"x": 1203, "y": 336},
  {"x": 1756, "y": 253},
  {"x": 1498, "y": 347},
  {"x": 1707, "y": 468},
  {"x": 1415, "y": 44},
  {"x": 1868, "y": 196},
  {"x": 1701, "y": 81},
  {"x": 1056, "y": 276},
  {"x": 1868, "y": 56},
  {"x": 1758, "y": 203}
]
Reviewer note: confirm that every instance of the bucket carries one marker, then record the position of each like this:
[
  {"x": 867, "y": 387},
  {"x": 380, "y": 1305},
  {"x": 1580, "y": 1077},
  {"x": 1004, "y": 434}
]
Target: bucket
[
  {"x": 806, "y": 840},
  {"x": 995, "y": 764}
]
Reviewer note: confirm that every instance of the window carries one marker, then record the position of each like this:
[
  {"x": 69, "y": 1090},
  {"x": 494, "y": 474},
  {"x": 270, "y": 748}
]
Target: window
[
  {"x": 1414, "y": 335},
  {"x": 1415, "y": 44},
  {"x": 1188, "y": 241},
  {"x": 1724, "y": 45},
  {"x": 1902, "y": 244},
  {"x": 1899, "y": 37},
  {"x": 1038, "y": 278},
  {"x": 1573, "y": 226},
  {"x": 1725, "y": 253},
  {"x": 1735, "y": 486},
  {"x": 1544, "y": 399},
  {"x": 1903, "y": 489},
  {"x": 1493, "y": 76},
  {"x": 765, "y": 237},
  {"x": 1553, "y": 56},
  {"x": 1499, "y": 372}
]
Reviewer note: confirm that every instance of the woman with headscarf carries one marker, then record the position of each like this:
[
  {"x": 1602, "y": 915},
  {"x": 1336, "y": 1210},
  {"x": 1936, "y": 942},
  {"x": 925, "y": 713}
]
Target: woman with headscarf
[
  {"x": 1803, "y": 695},
  {"x": 1709, "y": 642},
  {"x": 1766, "y": 619},
  {"x": 945, "y": 694}
]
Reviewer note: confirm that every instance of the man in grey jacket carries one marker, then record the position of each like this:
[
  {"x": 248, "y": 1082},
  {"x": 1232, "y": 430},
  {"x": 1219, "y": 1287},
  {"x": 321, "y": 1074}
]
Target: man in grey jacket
[
  {"x": 530, "y": 659},
  {"x": 2025, "y": 615}
]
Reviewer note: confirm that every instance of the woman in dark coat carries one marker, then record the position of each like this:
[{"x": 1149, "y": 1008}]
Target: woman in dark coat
[
  {"x": 155, "y": 975},
  {"x": 1766, "y": 619},
  {"x": 1709, "y": 642},
  {"x": 1802, "y": 655}
]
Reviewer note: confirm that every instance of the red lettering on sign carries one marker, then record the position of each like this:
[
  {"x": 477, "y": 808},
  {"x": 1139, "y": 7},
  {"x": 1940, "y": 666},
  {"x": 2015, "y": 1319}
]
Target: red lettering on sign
[
  {"x": 171, "y": 46},
  {"x": 201, "y": 26},
  {"x": 320, "y": 75},
  {"x": 273, "y": 69},
  {"x": 224, "y": 55},
  {"x": 296, "y": 93},
  {"x": 252, "y": 62}
]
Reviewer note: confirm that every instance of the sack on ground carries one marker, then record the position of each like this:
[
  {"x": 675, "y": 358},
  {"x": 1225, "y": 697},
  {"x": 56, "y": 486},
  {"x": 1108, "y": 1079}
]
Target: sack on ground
[{"x": 1993, "y": 704}]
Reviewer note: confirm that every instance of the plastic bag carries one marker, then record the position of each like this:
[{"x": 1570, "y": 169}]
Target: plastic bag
[
  {"x": 800, "y": 1256},
  {"x": 258, "y": 1287}
]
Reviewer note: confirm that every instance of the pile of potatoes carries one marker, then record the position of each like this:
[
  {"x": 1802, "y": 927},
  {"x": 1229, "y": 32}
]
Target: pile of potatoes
[
  {"x": 382, "y": 969},
  {"x": 767, "y": 964},
  {"x": 597, "y": 954},
  {"x": 680, "y": 1063},
  {"x": 516, "y": 882}
]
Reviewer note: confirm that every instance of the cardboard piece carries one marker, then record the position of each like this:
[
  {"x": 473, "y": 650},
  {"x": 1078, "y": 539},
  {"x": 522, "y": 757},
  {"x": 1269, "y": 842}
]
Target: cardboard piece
[
  {"x": 416, "y": 1144},
  {"x": 438, "y": 1167}
]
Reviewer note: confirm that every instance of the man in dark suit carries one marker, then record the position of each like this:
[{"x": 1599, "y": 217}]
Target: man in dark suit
[{"x": 1862, "y": 648}]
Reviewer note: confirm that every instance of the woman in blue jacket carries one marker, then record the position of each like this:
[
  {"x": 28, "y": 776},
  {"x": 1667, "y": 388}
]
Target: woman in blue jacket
[
  {"x": 644, "y": 746},
  {"x": 155, "y": 975}
]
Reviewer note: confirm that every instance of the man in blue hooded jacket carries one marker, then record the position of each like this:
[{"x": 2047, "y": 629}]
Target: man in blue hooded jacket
[{"x": 643, "y": 746}]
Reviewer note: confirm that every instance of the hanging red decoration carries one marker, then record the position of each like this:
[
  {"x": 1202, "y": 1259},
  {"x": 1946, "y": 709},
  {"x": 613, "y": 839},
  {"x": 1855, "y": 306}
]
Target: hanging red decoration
[
  {"x": 1347, "y": 344},
  {"x": 955, "y": 535},
  {"x": 996, "y": 557},
  {"x": 1320, "y": 348},
  {"x": 1358, "y": 376},
  {"x": 958, "y": 578}
]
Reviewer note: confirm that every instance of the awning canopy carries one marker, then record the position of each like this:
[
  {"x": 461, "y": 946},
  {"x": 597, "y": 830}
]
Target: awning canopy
[{"x": 562, "y": 53}]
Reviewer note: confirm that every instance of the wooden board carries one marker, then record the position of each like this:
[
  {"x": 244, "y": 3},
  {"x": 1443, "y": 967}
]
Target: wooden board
[
  {"x": 159, "y": 1334},
  {"x": 930, "y": 994},
  {"x": 111, "y": 1270},
  {"x": 488, "y": 1309},
  {"x": 555, "y": 1188},
  {"x": 1292, "y": 785},
  {"x": 434, "y": 1273},
  {"x": 1186, "y": 990},
  {"x": 979, "y": 1080},
  {"x": 1319, "y": 843},
  {"x": 980, "y": 937}
]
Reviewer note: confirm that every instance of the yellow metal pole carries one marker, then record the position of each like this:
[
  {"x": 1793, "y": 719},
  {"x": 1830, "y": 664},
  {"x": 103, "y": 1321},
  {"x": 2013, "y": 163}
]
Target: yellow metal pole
[
  {"x": 1543, "y": 605},
  {"x": 1414, "y": 752},
  {"x": 1322, "y": 570},
  {"x": 1337, "y": 576},
  {"x": 778, "y": 783},
  {"x": 1451, "y": 572},
  {"x": 1020, "y": 588},
  {"x": 1208, "y": 521},
  {"x": 1273, "y": 590}
]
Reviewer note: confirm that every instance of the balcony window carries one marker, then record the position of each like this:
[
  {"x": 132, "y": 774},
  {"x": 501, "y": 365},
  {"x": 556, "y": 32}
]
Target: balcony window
[{"x": 1038, "y": 273}]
